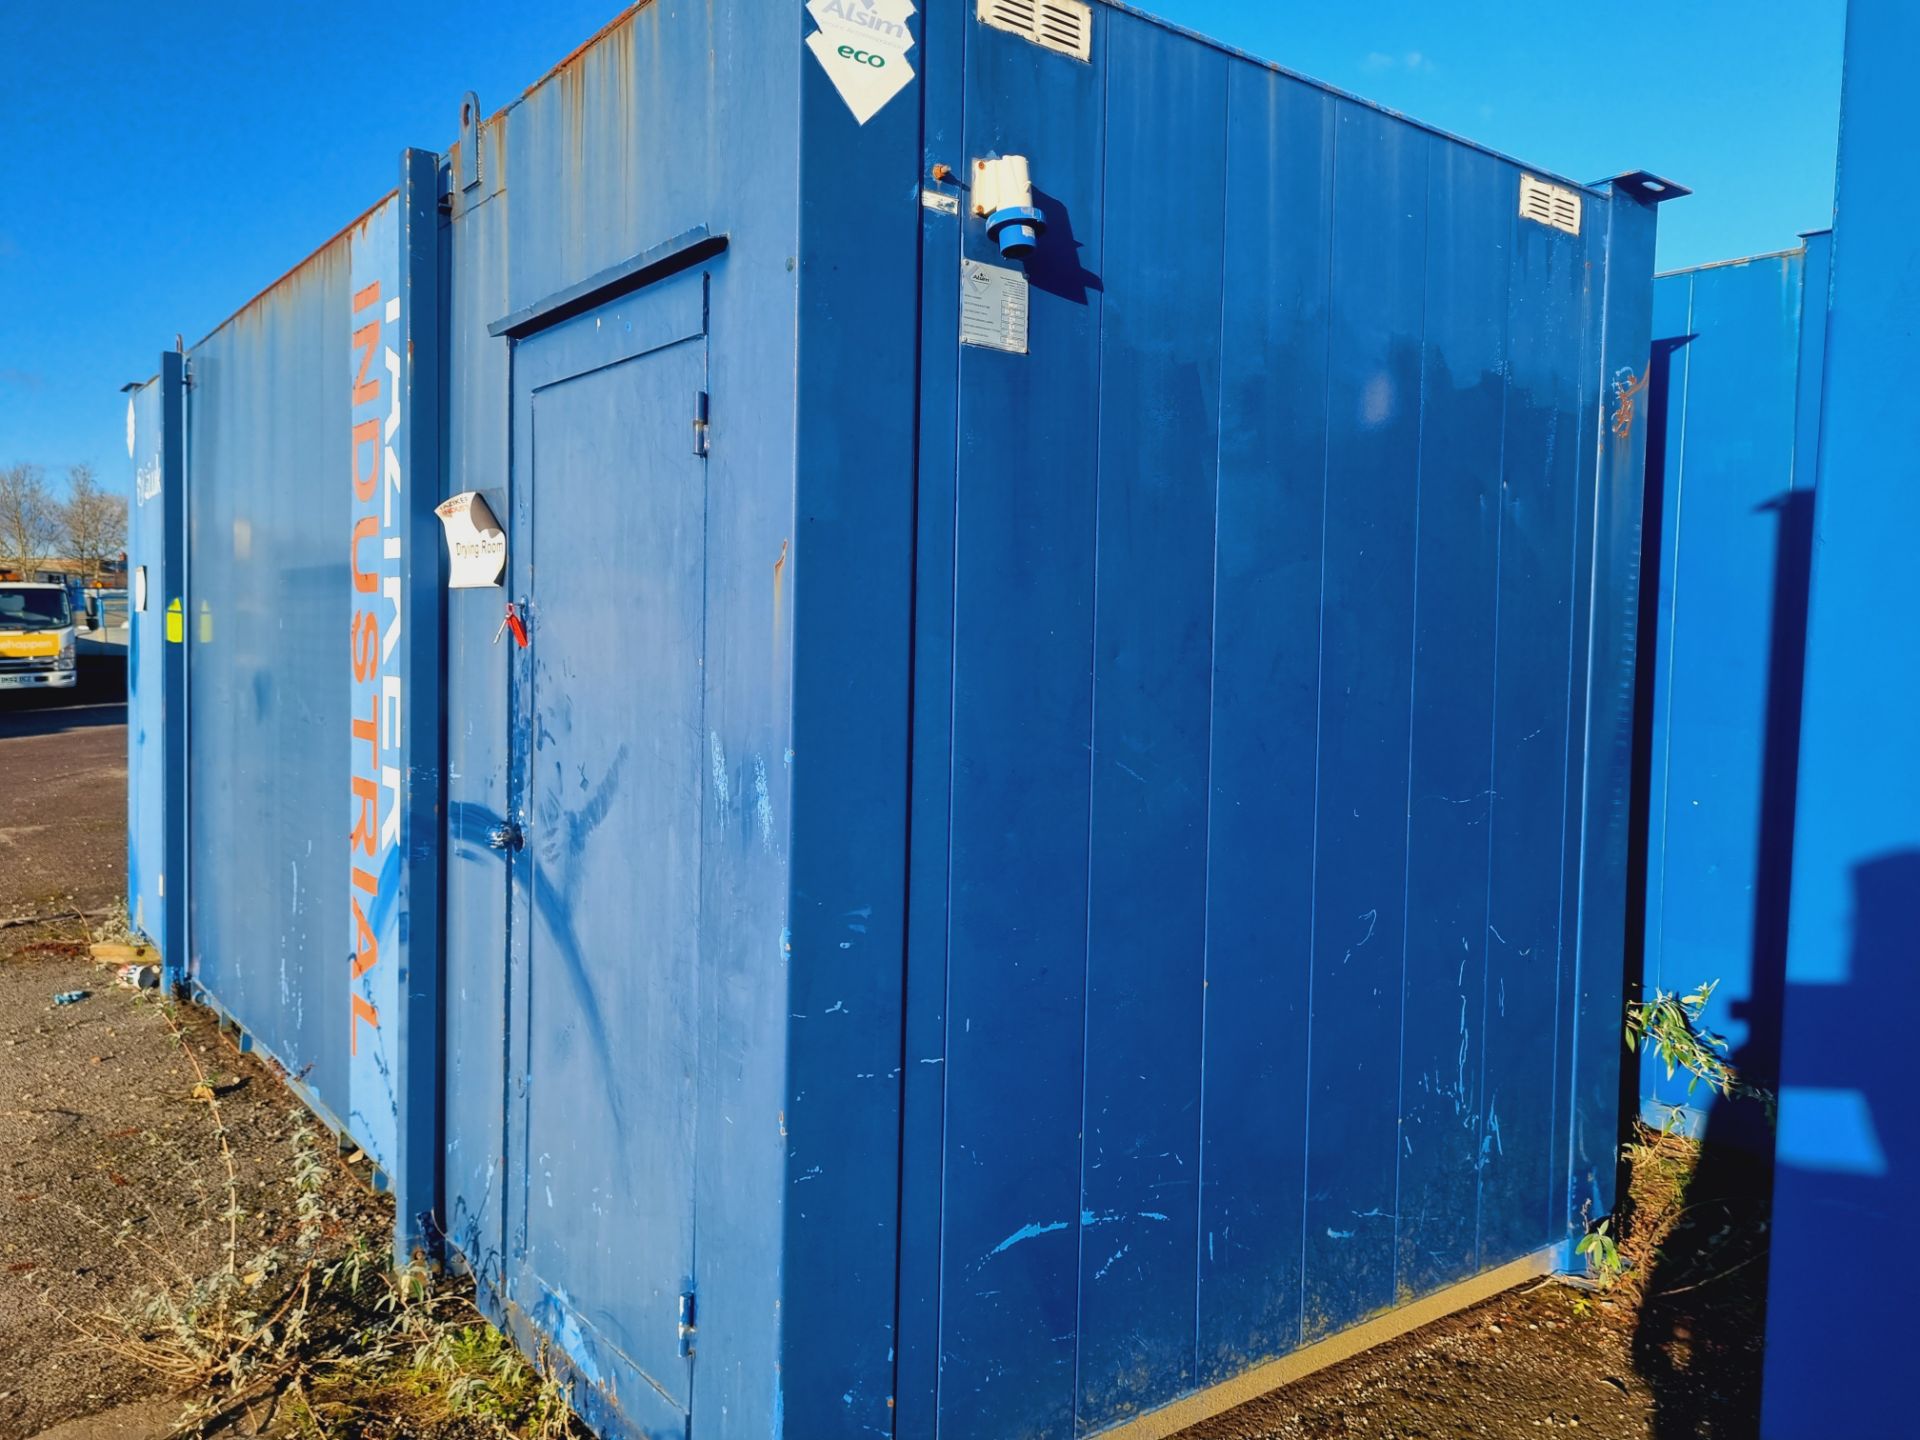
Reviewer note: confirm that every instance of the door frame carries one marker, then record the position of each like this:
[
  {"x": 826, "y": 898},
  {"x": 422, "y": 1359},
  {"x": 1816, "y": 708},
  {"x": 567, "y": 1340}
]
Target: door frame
[{"x": 633, "y": 317}]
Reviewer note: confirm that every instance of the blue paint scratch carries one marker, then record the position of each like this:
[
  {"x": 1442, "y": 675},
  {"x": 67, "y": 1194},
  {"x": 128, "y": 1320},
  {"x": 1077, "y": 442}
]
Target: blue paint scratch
[
  {"x": 1490, "y": 1142},
  {"x": 722, "y": 786},
  {"x": 763, "y": 803},
  {"x": 1087, "y": 1217},
  {"x": 1028, "y": 1232}
]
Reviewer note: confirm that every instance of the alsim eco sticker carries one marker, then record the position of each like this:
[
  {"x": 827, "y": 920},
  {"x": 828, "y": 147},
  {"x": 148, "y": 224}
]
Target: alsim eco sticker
[{"x": 863, "y": 45}]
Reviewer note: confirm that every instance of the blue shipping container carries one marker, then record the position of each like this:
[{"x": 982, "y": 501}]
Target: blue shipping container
[
  {"x": 1734, "y": 406},
  {"x": 1030, "y": 829}
]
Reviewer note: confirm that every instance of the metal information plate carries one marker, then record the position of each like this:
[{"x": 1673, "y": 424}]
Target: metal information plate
[{"x": 993, "y": 307}]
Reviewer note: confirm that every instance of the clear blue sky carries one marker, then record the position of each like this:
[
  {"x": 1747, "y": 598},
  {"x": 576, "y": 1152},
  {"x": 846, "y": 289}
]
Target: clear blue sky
[{"x": 161, "y": 163}]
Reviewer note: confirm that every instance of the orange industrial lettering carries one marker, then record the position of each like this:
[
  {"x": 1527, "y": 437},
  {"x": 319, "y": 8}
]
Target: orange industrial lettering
[
  {"x": 362, "y": 1010},
  {"x": 366, "y": 948},
  {"x": 367, "y": 793},
  {"x": 367, "y": 527}
]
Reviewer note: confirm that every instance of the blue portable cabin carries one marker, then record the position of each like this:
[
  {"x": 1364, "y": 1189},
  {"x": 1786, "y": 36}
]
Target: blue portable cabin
[
  {"x": 1847, "y": 1176},
  {"x": 1734, "y": 405},
  {"x": 1058, "y": 838}
]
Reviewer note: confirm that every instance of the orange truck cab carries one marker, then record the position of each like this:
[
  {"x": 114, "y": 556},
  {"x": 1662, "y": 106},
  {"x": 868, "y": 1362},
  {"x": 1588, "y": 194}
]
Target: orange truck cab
[{"x": 37, "y": 629}]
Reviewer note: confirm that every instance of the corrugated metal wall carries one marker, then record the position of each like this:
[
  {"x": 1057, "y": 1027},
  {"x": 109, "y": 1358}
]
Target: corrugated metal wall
[
  {"x": 1263, "y": 792},
  {"x": 270, "y": 427},
  {"x": 1735, "y": 403},
  {"x": 305, "y": 848}
]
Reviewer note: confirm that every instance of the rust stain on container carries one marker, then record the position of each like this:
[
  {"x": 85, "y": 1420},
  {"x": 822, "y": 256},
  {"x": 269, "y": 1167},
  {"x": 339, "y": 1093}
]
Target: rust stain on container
[
  {"x": 572, "y": 57},
  {"x": 779, "y": 572}
]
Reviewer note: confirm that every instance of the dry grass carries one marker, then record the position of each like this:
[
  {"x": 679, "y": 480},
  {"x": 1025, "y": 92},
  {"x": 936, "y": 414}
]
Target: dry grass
[
  {"x": 306, "y": 1329},
  {"x": 1662, "y": 1168}
]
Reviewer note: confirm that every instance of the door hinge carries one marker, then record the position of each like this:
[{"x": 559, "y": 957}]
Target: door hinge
[
  {"x": 700, "y": 423},
  {"x": 686, "y": 1325}
]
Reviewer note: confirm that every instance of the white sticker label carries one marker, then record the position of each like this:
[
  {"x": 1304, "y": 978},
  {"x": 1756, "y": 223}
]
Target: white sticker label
[
  {"x": 993, "y": 307},
  {"x": 476, "y": 545},
  {"x": 863, "y": 45}
]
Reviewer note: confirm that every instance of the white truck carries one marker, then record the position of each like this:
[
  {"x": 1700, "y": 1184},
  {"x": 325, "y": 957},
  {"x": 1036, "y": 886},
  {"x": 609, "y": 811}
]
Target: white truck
[{"x": 37, "y": 632}]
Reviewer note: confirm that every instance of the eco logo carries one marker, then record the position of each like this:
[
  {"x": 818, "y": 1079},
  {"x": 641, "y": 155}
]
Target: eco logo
[{"x": 863, "y": 45}]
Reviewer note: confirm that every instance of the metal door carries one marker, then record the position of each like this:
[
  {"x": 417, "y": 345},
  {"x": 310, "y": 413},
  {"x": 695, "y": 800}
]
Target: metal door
[{"x": 606, "y": 793}]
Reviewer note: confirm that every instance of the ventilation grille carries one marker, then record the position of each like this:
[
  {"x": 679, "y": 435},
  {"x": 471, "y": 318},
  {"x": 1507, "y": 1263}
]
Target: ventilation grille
[
  {"x": 1549, "y": 204},
  {"x": 1065, "y": 26}
]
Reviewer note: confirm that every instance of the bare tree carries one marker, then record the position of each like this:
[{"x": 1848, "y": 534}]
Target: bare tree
[
  {"x": 30, "y": 521},
  {"x": 93, "y": 522}
]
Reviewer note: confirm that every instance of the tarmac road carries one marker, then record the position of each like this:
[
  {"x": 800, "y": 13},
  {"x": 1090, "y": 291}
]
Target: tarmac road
[{"x": 63, "y": 777}]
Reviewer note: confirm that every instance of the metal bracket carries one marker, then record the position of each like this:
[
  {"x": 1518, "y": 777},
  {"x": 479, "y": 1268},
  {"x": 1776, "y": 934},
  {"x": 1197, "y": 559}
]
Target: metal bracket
[
  {"x": 686, "y": 1325},
  {"x": 682, "y": 252},
  {"x": 469, "y": 141},
  {"x": 1648, "y": 188},
  {"x": 700, "y": 442}
]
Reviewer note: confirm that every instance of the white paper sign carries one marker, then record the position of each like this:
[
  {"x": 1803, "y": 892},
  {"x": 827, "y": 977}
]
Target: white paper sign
[
  {"x": 863, "y": 45},
  {"x": 476, "y": 545}
]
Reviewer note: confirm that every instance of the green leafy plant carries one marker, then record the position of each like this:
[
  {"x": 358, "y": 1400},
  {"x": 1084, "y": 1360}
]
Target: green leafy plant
[
  {"x": 1602, "y": 1253},
  {"x": 1670, "y": 1025},
  {"x": 309, "y": 1182}
]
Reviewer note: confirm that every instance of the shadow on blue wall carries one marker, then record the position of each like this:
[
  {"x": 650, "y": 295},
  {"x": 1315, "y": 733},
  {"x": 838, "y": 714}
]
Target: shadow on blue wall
[
  {"x": 1845, "y": 1157},
  {"x": 1758, "y": 1058},
  {"x": 1849, "y": 1138}
]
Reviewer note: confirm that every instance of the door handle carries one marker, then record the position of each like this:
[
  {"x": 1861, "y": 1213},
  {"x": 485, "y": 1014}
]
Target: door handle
[{"x": 505, "y": 836}]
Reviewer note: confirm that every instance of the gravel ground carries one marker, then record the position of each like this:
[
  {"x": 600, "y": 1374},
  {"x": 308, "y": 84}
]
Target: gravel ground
[
  {"x": 1670, "y": 1351},
  {"x": 111, "y": 1176},
  {"x": 63, "y": 805}
]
